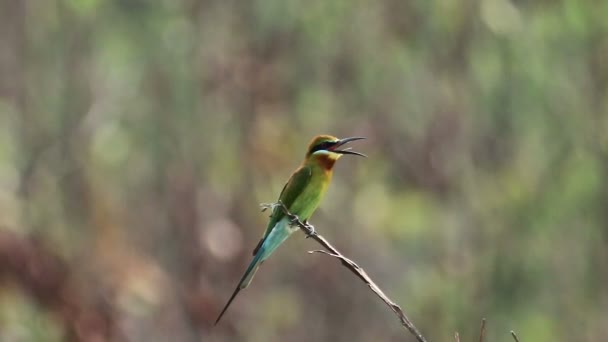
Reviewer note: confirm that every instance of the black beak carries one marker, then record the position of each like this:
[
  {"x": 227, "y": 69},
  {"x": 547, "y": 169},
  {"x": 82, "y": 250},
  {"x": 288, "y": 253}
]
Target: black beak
[{"x": 347, "y": 150}]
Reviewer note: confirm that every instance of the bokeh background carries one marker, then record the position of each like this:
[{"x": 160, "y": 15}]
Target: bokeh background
[{"x": 137, "y": 139}]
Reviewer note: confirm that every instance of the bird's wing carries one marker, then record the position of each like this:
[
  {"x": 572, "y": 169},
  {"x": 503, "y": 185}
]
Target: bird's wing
[{"x": 292, "y": 189}]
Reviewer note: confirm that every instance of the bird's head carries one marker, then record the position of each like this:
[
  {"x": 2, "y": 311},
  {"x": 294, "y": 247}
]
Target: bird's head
[{"x": 328, "y": 148}]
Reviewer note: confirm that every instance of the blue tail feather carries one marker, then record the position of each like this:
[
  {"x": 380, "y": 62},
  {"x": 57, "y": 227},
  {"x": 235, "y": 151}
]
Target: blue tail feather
[
  {"x": 276, "y": 237},
  {"x": 244, "y": 282}
]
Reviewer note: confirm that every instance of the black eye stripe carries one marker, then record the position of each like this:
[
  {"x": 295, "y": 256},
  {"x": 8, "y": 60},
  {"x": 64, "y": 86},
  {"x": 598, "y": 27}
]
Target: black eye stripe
[{"x": 322, "y": 146}]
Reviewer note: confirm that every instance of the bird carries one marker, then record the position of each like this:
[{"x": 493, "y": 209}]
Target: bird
[{"x": 301, "y": 195}]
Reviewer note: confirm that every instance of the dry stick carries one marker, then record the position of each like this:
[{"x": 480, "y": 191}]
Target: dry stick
[
  {"x": 482, "y": 330},
  {"x": 309, "y": 230},
  {"x": 514, "y": 336},
  {"x": 457, "y": 337}
]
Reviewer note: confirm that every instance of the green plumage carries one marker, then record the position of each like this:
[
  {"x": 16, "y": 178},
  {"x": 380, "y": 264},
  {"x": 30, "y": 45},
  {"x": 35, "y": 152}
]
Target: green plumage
[{"x": 301, "y": 195}]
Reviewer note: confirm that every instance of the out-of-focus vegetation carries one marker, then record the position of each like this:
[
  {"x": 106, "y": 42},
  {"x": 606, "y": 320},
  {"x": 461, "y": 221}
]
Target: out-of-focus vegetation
[{"x": 138, "y": 137}]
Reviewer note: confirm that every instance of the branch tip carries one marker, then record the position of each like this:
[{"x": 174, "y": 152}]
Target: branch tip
[{"x": 482, "y": 330}]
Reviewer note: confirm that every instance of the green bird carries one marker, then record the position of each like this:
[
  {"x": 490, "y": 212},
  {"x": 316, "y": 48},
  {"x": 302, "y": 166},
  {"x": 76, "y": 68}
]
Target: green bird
[{"x": 301, "y": 195}]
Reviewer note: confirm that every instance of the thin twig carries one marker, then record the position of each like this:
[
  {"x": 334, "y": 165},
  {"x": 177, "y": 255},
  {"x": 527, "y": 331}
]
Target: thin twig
[
  {"x": 310, "y": 232},
  {"x": 482, "y": 330},
  {"x": 514, "y": 336},
  {"x": 457, "y": 337}
]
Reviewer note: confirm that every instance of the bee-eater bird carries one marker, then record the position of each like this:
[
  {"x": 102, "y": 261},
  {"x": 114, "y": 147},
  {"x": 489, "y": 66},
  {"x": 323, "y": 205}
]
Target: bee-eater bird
[{"x": 301, "y": 195}]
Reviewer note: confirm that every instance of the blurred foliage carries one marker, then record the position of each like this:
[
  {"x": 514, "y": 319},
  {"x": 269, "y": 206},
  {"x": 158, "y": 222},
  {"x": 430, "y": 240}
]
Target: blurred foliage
[{"x": 138, "y": 137}]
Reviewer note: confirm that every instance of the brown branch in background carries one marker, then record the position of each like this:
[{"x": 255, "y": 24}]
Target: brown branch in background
[
  {"x": 47, "y": 278},
  {"x": 352, "y": 266},
  {"x": 482, "y": 330}
]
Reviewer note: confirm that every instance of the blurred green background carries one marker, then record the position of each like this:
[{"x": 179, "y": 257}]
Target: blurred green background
[{"x": 138, "y": 137}]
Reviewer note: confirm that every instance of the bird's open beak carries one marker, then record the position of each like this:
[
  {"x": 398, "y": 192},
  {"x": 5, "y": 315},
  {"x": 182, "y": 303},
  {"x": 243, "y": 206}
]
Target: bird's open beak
[{"x": 348, "y": 149}]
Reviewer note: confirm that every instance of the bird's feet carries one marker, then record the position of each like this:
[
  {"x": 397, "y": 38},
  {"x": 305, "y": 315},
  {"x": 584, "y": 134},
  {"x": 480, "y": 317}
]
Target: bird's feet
[
  {"x": 271, "y": 206},
  {"x": 311, "y": 229},
  {"x": 294, "y": 220}
]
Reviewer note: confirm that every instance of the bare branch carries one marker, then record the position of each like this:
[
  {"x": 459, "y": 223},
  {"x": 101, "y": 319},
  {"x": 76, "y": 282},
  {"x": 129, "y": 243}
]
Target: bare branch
[
  {"x": 457, "y": 337},
  {"x": 514, "y": 336},
  {"x": 324, "y": 252},
  {"x": 351, "y": 265},
  {"x": 482, "y": 330}
]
